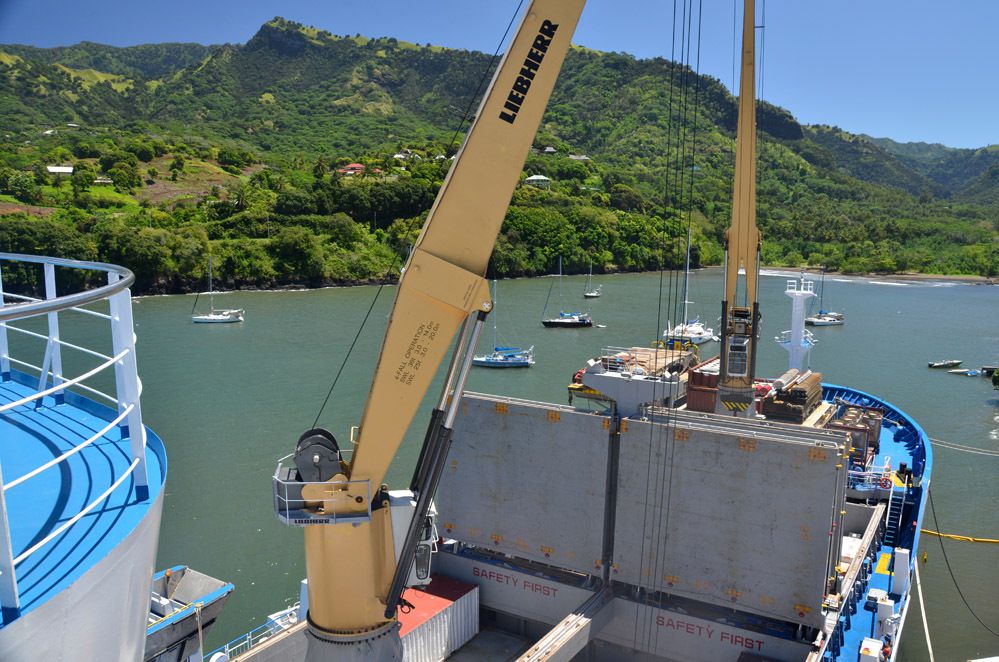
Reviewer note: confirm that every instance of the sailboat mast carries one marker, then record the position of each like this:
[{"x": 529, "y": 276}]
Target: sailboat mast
[
  {"x": 560, "y": 307},
  {"x": 211, "y": 290},
  {"x": 686, "y": 276},
  {"x": 495, "y": 341},
  {"x": 822, "y": 290}
]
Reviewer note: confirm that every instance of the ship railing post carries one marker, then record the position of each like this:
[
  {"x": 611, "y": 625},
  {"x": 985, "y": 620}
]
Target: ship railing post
[
  {"x": 127, "y": 383},
  {"x": 10, "y": 604},
  {"x": 117, "y": 346},
  {"x": 54, "y": 349},
  {"x": 4, "y": 347}
]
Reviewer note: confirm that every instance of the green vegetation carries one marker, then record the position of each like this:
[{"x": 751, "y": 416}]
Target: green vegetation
[{"x": 180, "y": 150}]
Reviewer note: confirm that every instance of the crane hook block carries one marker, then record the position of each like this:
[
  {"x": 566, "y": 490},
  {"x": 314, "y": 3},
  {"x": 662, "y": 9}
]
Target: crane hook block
[{"x": 317, "y": 456}]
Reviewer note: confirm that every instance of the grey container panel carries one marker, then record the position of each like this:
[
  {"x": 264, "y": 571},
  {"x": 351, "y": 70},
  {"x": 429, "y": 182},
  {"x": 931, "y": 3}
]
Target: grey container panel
[
  {"x": 526, "y": 480},
  {"x": 727, "y": 517}
]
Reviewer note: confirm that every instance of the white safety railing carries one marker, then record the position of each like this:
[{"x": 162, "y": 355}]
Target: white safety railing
[
  {"x": 127, "y": 388},
  {"x": 807, "y": 337},
  {"x": 799, "y": 285},
  {"x": 258, "y": 635}
]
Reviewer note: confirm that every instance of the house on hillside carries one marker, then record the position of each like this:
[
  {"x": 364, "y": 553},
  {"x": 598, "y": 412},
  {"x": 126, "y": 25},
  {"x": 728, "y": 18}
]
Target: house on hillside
[
  {"x": 549, "y": 150},
  {"x": 407, "y": 155},
  {"x": 539, "y": 181},
  {"x": 60, "y": 171},
  {"x": 351, "y": 169},
  {"x": 579, "y": 157}
]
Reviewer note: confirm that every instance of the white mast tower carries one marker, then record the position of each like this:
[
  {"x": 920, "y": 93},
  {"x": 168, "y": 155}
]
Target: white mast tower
[{"x": 798, "y": 341}]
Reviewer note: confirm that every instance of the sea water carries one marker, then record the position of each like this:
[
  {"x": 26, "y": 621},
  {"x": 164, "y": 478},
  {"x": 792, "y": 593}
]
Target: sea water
[{"x": 229, "y": 400}]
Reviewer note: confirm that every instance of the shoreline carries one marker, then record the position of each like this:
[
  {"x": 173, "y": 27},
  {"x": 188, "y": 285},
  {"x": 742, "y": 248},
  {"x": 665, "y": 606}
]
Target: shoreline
[
  {"x": 965, "y": 279},
  {"x": 909, "y": 276}
]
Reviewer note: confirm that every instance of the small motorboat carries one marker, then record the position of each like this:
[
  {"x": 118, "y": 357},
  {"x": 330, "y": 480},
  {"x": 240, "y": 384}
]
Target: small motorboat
[
  {"x": 568, "y": 321},
  {"x": 825, "y": 318},
  {"x": 183, "y": 606},
  {"x": 949, "y": 363},
  {"x": 967, "y": 372},
  {"x": 506, "y": 357}
]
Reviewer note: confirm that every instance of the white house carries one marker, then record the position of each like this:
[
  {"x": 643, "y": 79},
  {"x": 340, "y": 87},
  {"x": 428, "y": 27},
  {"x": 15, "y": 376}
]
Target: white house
[
  {"x": 539, "y": 180},
  {"x": 60, "y": 170}
]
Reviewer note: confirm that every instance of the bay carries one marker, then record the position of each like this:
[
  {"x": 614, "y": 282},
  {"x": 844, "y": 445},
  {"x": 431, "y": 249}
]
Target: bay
[{"x": 229, "y": 400}]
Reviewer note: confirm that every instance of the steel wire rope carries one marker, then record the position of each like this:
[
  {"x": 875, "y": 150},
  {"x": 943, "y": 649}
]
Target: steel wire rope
[
  {"x": 650, "y": 498},
  {"x": 440, "y": 171},
  {"x": 964, "y": 449},
  {"x": 950, "y": 570},
  {"x": 674, "y": 169},
  {"x": 763, "y": 48},
  {"x": 670, "y": 429}
]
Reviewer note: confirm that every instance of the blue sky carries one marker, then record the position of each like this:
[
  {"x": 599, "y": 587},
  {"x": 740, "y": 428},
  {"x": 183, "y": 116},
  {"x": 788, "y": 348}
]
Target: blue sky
[{"x": 911, "y": 70}]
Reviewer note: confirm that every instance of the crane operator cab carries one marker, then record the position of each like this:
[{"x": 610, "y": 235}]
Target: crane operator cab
[
  {"x": 737, "y": 342},
  {"x": 738, "y": 356},
  {"x": 306, "y": 490}
]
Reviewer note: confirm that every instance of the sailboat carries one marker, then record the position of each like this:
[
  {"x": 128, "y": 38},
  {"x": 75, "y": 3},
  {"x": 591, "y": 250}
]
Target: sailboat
[
  {"x": 504, "y": 357},
  {"x": 215, "y": 316},
  {"x": 692, "y": 330},
  {"x": 590, "y": 292},
  {"x": 564, "y": 320},
  {"x": 824, "y": 317}
]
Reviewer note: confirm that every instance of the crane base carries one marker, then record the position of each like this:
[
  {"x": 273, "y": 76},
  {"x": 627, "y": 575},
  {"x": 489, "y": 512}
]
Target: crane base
[{"x": 381, "y": 643}]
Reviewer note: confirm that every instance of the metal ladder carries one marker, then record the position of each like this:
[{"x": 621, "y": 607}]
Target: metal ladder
[{"x": 893, "y": 520}]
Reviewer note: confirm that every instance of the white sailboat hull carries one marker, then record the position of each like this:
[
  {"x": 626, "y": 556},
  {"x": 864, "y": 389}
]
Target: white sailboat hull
[
  {"x": 694, "y": 332},
  {"x": 219, "y": 317}
]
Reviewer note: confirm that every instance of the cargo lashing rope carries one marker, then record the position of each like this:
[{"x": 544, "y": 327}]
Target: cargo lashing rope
[
  {"x": 954, "y": 536},
  {"x": 950, "y": 445},
  {"x": 950, "y": 570}
]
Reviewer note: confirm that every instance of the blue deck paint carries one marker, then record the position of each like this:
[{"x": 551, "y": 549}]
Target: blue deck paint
[
  {"x": 901, "y": 440},
  {"x": 31, "y": 436}
]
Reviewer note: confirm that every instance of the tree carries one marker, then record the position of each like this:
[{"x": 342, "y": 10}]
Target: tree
[
  {"x": 22, "y": 186},
  {"x": 320, "y": 169},
  {"x": 82, "y": 178},
  {"x": 294, "y": 203},
  {"x": 625, "y": 198},
  {"x": 41, "y": 175},
  {"x": 299, "y": 254}
]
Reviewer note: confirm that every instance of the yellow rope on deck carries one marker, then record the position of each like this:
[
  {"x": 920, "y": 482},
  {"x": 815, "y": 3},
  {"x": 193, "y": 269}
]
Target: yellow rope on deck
[{"x": 954, "y": 536}]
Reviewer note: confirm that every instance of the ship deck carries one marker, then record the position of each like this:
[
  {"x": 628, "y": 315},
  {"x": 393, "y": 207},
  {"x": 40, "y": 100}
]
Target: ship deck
[
  {"x": 30, "y": 437},
  {"x": 902, "y": 440}
]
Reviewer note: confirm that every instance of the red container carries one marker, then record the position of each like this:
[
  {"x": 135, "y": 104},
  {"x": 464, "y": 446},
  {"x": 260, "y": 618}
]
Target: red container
[{"x": 701, "y": 398}]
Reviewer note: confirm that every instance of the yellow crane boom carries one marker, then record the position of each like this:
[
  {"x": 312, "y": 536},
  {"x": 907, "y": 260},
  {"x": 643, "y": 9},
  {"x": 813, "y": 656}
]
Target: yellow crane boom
[
  {"x": 740, "y": 317},
  {"x": 351, "y": 566}
]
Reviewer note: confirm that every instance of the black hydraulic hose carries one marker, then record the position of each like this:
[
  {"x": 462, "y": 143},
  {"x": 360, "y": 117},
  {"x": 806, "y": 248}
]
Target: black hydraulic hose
[
  {"x": 439, "y": 445},
  {"x": 423, "y": 464}
]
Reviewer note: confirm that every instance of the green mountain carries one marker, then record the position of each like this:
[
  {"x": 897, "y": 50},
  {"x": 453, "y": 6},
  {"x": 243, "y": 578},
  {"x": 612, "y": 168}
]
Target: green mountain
[
  {"x": 961, "y": 172},
  {"x": 301, "y": 99}
]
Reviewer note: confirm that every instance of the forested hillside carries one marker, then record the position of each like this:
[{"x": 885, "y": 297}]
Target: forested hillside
[{"x": 251, "y": 152}]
